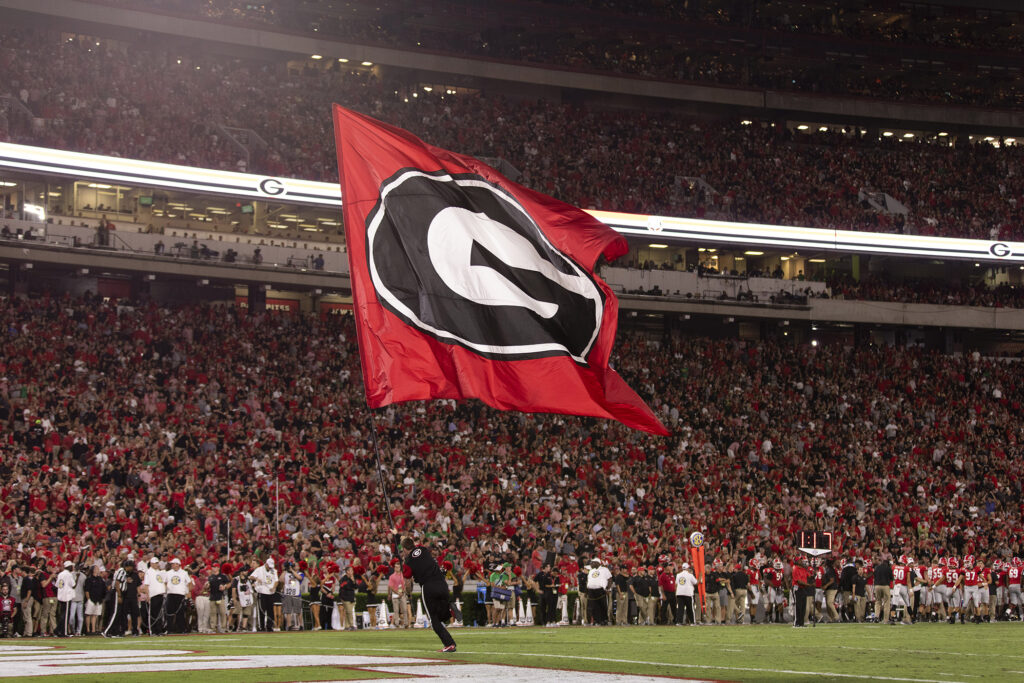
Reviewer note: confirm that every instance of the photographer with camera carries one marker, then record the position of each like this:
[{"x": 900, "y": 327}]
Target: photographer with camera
[{"x": 8, "y": 609}]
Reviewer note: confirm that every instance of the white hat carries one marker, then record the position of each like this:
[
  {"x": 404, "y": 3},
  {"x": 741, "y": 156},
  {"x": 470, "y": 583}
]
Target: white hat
[
  {"x": 153, "y": 560},
  {"x": 686, "y": 565},
  {"x": 175, "y": 560},
  {"x": 69, "y": 563},
  {"x": 270, "y": 562}
]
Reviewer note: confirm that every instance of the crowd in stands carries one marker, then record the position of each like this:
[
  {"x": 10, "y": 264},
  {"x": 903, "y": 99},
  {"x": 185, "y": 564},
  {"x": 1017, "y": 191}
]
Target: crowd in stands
[
  {"x": 208, "y": 435},
  {"x": 132, "y": 101},
  {"x": 677, "y": 41},
  {"x": 932, "y": 291}
]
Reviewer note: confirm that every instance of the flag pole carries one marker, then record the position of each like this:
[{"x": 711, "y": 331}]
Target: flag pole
[{"x": 380, "y": 469}]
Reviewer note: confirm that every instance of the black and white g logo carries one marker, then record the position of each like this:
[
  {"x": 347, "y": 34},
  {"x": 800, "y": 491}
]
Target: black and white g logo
[
  {"x": 271, "y": 186},
  {"x": 461, "y": 259},
  {"x": 999, "y": 249}
]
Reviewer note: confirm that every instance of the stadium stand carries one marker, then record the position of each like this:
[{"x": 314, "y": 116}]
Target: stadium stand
[
  {"x": 142, "y": 428},
  {"x": 154, "y": 431},
  {"x": 821, "y": 47},
  {"x": 129, "y": 100}
]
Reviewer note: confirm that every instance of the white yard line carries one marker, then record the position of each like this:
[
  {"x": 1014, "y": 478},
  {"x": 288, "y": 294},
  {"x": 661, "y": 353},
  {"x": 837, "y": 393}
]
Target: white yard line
[
  {"x": 931, "y": 652},
  {"x": 706, "y": 667}
]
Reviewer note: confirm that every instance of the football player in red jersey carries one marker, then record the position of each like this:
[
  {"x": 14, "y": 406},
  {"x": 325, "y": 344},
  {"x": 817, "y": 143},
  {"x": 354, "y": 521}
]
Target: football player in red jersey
[
  {"x": 772, "y": 576},
  {"x": 984, "y": 584},
  {"x": 937, "y": 597},
  {"x": 954, "y": 585},
  {"x": 973, "y": 588},
  {"x": 900, "y": 587},
  {"x": 1000, "y": 570},
  {"x": 754, "y": 594},
  {"x": 1013, "y": 586},
  {"x": 818, "y": 571}
]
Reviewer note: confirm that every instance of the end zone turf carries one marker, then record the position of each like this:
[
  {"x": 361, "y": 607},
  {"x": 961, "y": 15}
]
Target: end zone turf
[{"x": 924, "y": 653}]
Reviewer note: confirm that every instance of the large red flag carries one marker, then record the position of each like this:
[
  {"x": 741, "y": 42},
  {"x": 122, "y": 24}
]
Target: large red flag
[{"x": 467, "y": 285}]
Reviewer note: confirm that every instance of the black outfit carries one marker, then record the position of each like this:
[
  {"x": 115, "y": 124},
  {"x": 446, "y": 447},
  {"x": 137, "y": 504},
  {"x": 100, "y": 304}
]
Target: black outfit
[
  {"x": 597, "y": 610},
  {"x": 684, "y": 609},
  {"x": 883, "y": 575},
  {"x": 456, "y": 596},
  {"x": 846, "y": 578},
  {"x": 131, "y": 600},
  {"x": 346, "y": 589},
  {"x": 115, "y": 607},
  {"x": 265, "y": 616},
  {"x": 219, "y": 584},
  {"x": 96, "y": 589},
  {"x": 425, "y": 572},
  {"x": 621, "y": 582},
  {"x": 547, "y": 602},
  {"x": 641, "y": 586}
]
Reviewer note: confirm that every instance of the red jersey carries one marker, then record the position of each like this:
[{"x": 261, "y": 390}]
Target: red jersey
[
  {"x": 772, "y": 576},
  {"x": 900, "y": 575},
  {"x": 819, "y": 575},
  {"x": 985, "y": 576},
  {"x": 1013, "y": 576},
  {"x": 952, "y": 577},
  {"x": 971, "y": 577},
  {"x": 936, "y": 573},
  {"x": 752, "y": 575},
  {"x": 7, "y": 605}
]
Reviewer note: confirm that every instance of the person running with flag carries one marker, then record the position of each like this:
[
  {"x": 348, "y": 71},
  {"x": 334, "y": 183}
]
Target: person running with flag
[{"x": 419, "y": 565}]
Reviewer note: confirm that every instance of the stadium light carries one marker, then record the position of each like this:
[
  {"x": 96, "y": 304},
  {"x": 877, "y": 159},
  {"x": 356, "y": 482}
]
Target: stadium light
[
  {"x": 367, "y": 63},
  {"x": 316, "y": 56},
  {"x": 38, "y": 211}
]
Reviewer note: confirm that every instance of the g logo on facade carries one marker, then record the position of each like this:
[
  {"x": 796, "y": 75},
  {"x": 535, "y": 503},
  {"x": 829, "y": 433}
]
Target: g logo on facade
[
  {"x": 463, "y": 261},
  {"x": 271, "y": 186},
  {"x": 1000, "y": 249}
]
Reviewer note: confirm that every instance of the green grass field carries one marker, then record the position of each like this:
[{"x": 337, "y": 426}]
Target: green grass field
[{"x": 923, "y": 652}]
